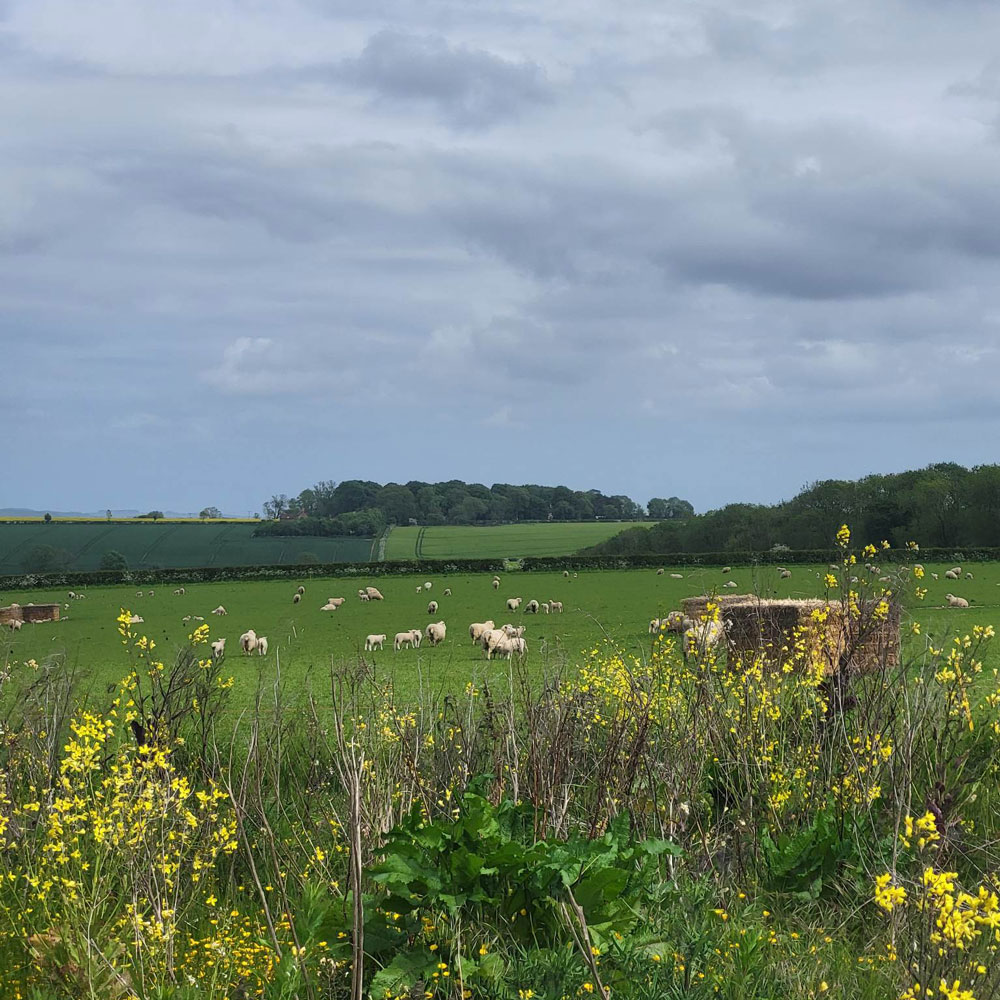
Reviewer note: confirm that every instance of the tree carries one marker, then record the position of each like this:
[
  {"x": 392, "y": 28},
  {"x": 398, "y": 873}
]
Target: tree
[
  {"x": 46, "y": 559},
  {"x": 211, "y": 512},
  {"x": 275, "y": 507},
  {"x": 109, "y": 515},
  {"x": 668, "y": 510},
  {"x": 153, "y": 515},
  {"x": 48, "y": 518},
  {"x": 113, "y": 559}
]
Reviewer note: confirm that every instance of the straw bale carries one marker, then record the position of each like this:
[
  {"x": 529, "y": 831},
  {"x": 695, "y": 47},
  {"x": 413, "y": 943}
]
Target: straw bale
[
  {"x": 11, "y": 614},
  {"x": 695, "y": 607},
  {"x": 41, "y": 612}
]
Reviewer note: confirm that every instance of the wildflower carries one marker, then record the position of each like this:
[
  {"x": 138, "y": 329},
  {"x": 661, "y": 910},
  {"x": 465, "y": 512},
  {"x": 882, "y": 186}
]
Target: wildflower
[{"x": 887, "y": 895}]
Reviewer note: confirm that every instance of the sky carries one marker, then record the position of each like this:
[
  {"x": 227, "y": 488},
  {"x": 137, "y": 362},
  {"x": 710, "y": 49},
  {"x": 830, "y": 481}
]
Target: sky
[{"x": 712, "y": 250}]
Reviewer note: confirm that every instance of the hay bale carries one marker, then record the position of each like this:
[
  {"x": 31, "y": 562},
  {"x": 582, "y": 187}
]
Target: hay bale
[
  {"x": 772, "y": 628},
  {"x": 15, "y": 613},
  {"x": 695, "y": 607},
  {"x": 41, "y": 612}
]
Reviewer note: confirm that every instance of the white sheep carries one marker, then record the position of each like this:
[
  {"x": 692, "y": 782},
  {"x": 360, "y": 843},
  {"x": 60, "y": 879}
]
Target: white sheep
[
  {"x": 565, "y": 574},
  {"x": 730, "y": 584},
  {"x": 427, "y": 585},
  {"x": 956, "y": 569},
  {"x": 513, "y": 631},
  {"x": 491, "y": 639},
  {"x": 447, "y": 591},
  {"x": 951, "y": 574},
  {"x": 420, "y": 589},
  {"x": 364, "y": 596},
  {"x": 556, "y": 606},
  {"x": 654, "y": 626},
  {"x": 72, "y": 595},
  {"x": 262, "y": 646},
  {"x": 220, "y": 610},
  {"x": 138, "y": 593},
  {"x": 374, "y": 640},
  {"x": 956, "y": 602},
  {"x": 726, "y": 570},
  {"x": 432, "y": 608},
  {"x": 510, "y": 646},
  {"x": 435, "y": 632},
  {"x": 476, "y": 630},
  {"x": 15, "y": 626},
  {"x": 785, "y": 574},
  {"x": 301, "y": 589},
  {"x": 218, "y": 649},
  {"x": 934, "y": 575},
  {"x": 336, "y": 601},
  {"x": 676, "y": 576},
  {"x": 531, "y": 608},
  {"x": 969, "y": 576},
  {"x": 149, "y": 593},
  {"x": 546, "y": 606},
  {"x": 296, "y": 598},
  {"x": 248, "y": 642},
  {"x": 186, "y": 619},
  {"x": 703, "y": 636},
  {"x": 135, "y": 619},
  {"x": 329, "y": 607},
  {"x": 496, "y": 583},
  {"x": 417, "y": 636},
  {"x": 513, "y": 603},
  {"x": 402, "y": 639},
  {"x": 373, "y": 594},
  {"x": 659, "y": 572}
]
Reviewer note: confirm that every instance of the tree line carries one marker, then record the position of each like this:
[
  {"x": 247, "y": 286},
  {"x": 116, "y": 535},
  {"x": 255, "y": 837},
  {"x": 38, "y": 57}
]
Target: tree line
[
  {"x": 944, "y": 505},
  {"x": 361, "y": 507}
]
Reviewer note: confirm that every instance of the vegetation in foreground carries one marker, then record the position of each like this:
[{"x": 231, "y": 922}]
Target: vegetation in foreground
[{"x": 667, "y": 826}]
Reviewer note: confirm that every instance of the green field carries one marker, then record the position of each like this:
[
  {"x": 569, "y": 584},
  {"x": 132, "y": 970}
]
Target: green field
[
  {"x": 171, "y": 544},
  {"x": 305, "y": 641},
  {"x": 498, "y": 541}
]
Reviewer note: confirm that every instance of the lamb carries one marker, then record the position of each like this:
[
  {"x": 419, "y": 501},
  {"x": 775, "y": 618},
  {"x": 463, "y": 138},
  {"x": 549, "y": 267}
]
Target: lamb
[
  {"x": 513, "y": 603},
  {"x": 951, "y": 575},
  {"x": 364, "y": 597},
  {"x": 427, "y": 585},
  {"x": 676, "y": 576},
  {"x": 510, "y": 646},
  {"x": 785, "y": 574},
  {"x": 248, "y": 642},
  {"x": 262, "y": 646},
  {"x": 149, "y": 593},
  {"x": 432, "y": 608},
  {"x": 374, "y": 640},
  {"x": 15, "y": 626},
  {"x": 654, "y": 626},
  {"x": 417, "y": 636},
  {"x": 726, "y": 570},
  {"x": 969, "y": 576},
  {"x": 730, "y": 584},
  {"x": 565, "y": 574},
  {"x": 135, "y": 619},
  {"x": 72, "y": 595},
  {"x": 934, "y": 575},
  {"x": 556, "y": 606},
  {"x": 956, "y": 602},
  {"x": 179, "y": 592},
  {"x": 703, "y": 635},
  {"x": 476, "y": 630},
  {"x": 420, "y": 589},
  {"x": 220, "y": 610},
  {"x": 546, "y": 607},
  {"x": 435, "y": 632},
  {"x": 218, "y": 649},
  {"x": 496, "y": 583},
  {"x": 186, "y": 619},
  {"x": 513, "y": 631},
  {"x": 402, "y": 639},
  {"x": 373, "y": 594},
  {"x": 138, "y": 593},
  {"x": 659, "y": 572},
  {"x": 296, "y": 598},
  {"x": 447, "y": 591},
  {"x": 301, "y": 589},
  {"x": 531, "y": 608}
]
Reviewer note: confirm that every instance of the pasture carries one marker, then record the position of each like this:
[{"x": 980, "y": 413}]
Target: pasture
[
  {"x": 512, "y": 541},
  {"x": 304, "y": 641},
  {"x": 185, "y": 544}
]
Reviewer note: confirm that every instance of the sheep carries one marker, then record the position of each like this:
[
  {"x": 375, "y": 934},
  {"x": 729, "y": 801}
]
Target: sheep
[
  {"x": 703, "y": 636},
  {"x": 72, "y": 595},
  {"x": 513, "y": 603},
  {"x": 491, "y": 640},
  {"x": 220, "y": 610},
  {"x": 556, "y": 606},
  {"x": 476, "y": 630},
  {"x": 432, "y": 608},
  {"x": 730, "y": 584},
  {"x": 135, "y": 619},
  {"x": 186, "y": 619},
  {"x": 726, "y": 570},
  {"x": 951, "y": 575},
  {"x": 138, "y": 593},
  {"x": 364, "y": 597},
  {"x": 374, "y": 640},
  {"x": 149, "y": 593},
  {"x": 329, "y": 606},
  {"x": 956, "y": 602},
  {"x": 262, "y": 646},
  {"x": 373, "y": 594},
  {"x": 654, "y": 626},
  {"x": 198, "y": 618},
  {"x": 785, "y": 574},
  {"x": 884, "y": 579},
  {"x": 496, "y": 583},
  {"x": 218, "y": 649},
  {"x": 435, "y": 632},
  {"x": 447, "y": 591},
  {"x": 676, "y": 621},
  {"x": 957, "y": 569},
  {"x": 676, "y": 576},
  {"x": 659, "y": 572},
  {"x": 420, "y": 589},
  {"x": 248, "y": 642},
  {"x": 296, "y": 598},
  {"x": 513, "y": 631},
  {"x": 531, "y": 608},
  {"x": 565, "y": 574},
  {"x": 546, "y": 606},
  {"x": 336, "y": 601},
  {"x": 510, "y": 646},
  {"x": 301, "y": 589},
  {"x": 969, "y": 576},
  {"x": 417, "y": 636},
  {"x": 179, "y": 592},
  {"x": 402, "y": 639},
  {"x": 15, "y": 626},
  {"x": 427, "y": 585}
]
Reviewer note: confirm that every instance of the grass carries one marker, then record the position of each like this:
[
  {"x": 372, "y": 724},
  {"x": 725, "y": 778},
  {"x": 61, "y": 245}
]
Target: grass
[
  {"x": 501, "y": 540},
  {"x": 170, "y": 544},
  {"x": 304, "y": 641}
]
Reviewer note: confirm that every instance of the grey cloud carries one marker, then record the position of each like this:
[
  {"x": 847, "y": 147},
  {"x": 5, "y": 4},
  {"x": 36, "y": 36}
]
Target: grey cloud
[{"x": 469, "y": 88}]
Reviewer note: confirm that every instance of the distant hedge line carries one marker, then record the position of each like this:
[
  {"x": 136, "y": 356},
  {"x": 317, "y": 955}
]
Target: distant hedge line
[{"x": 532, "y": 564}]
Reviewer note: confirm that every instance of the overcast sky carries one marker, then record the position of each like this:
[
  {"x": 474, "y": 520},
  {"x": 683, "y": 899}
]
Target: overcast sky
[{"x": 653, "y": 248}]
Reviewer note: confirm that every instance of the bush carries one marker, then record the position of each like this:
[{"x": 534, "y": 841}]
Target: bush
[{"x": 114, "y": 559}]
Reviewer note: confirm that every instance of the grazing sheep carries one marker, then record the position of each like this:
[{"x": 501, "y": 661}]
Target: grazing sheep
[
  {"x": 301, "y": 589},
  {"x": 731, "y": 584},
  {"x": 15, "y": 626},
  {"x": 726, "y": 570},
  {"x": 364, "y": 597},
  {"x": 262, "y": 646},
  {"x": 296, "y": 598},
  {"x": 531, "y": 608},
  {"x": 149, "y": 593},
  {"x": 546, "y": 607},
  {"x": 373, "y": 594},
  {"x": 427, "y": 585},
  {"x": 659, "y": 572},
  {"x": 496, "y": 583},
  {"x": 432, "y": 608},
  {"x": 186, "y": 619},
  {"x": 491, "y": 640},
  {"x": 566, "y": 574},
  {"x": 220, "y": 610},
  {"x": 135, "y": 619},
  {"x": 476, "y": 630},
  {"x": 198, "y": 618},
  {"x": 956, "y": 602},
  {"x": 138, "y": 593},
  {"x": 785, "y": 574},
  {"x": 218, "y": 649},
  {"x": 676, "y": 576},
  {"x": 556, "y": 606},
  {"x": 956, "y": 569},
  {"x": 934, "y": 575},
  {"x": 654, "y": 626},
  {"x": 402, "y": 639},
  {"x": 179, "y": 592},
  {"x": 420, "y": 589},
  {"x": 969, "y": 576},
  {"x": 884, "y": 579},
  {"x": 703, "y": 636},
  {"x": 336, "y": 601},
  {"x": 509, "y": 646},
  {"x": 417, "y": 636},
  {"x": 248, "y": 642},
  {"x": 374, "y": 640},
  {"x": 512, "y": 631},
  {"x": 676, "y": 621},
  {"x": 72, "y": 595},
  {"x": 447, "y": 591},
  {"x": 513, "y": 603},
  {"x": 435, "y": 632},
  {"x": 951, "y": 575}
]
